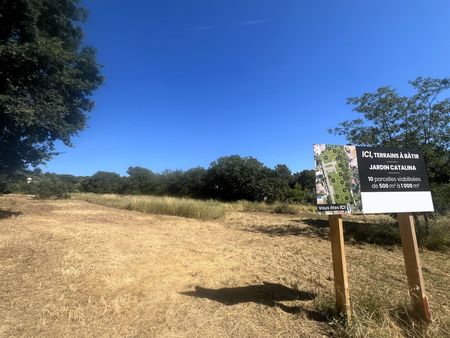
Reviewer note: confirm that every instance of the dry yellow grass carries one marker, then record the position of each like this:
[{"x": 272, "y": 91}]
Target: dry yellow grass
[
  {"x": 184, "y": 207},
  {"x": 70, "y": 268}
]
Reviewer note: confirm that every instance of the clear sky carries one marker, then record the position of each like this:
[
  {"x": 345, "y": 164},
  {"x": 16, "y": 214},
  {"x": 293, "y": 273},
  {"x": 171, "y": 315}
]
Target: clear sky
[{"x": 190, "y": 81}]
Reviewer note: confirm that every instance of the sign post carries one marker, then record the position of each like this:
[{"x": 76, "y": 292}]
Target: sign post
[
  {"x": 339, "y": 266},
  {"x": 371, "y": 180},
  {"x": 413, "y": 267}
]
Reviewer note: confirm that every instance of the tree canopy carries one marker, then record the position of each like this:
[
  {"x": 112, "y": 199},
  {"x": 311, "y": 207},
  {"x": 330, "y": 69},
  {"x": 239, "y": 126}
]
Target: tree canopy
[
  {"x": 229, "y": 178},
  {"x": 235, "y": 177},
  {"x": 421, "y": 120},
  {"x": 47, "y": 77}
]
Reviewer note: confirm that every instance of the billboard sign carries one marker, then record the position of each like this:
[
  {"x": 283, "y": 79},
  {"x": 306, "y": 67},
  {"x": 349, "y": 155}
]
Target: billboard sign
[{"x": 353, "y": 179}]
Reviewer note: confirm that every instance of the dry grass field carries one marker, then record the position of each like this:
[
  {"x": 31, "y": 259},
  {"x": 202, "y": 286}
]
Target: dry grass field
[{"x": 72, "y": 268}]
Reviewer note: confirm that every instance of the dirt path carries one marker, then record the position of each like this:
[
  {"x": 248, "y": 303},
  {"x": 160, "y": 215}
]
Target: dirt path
[{"x": 77, "y": 269}]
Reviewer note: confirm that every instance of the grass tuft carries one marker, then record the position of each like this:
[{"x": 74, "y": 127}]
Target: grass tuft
[
  {"x": 377, "y": 312},
  {"x": 250, "y": 206},
  {"x": 285, "y": 209}
]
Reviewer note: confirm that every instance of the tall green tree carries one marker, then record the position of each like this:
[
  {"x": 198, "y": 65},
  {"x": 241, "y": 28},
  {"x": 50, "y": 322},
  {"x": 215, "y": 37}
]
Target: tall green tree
[
  {"x": 421, "y": 120},
  {"x": 306, "y": 179},
  {"x": 140, "y": 181},
  {"x": 194, "y": 181},
  {"x": 234, "y": 178},
  {"x": 47, "y": 77},
  {"x": 304, "y": 186},
  {"x": 103, "y": 182}
]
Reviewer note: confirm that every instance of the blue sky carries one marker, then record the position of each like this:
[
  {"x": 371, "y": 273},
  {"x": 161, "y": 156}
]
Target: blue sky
[{"x": 190, "y": 81}]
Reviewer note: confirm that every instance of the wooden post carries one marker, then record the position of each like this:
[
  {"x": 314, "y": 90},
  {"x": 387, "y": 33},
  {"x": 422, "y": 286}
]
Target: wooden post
[
  {"x": 413, "y": 267},
  {"x": 339, "y": 266}
]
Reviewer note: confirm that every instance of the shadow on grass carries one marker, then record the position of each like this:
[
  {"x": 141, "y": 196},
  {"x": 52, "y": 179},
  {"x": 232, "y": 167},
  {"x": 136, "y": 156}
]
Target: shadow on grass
[
  {"x": 289, "y": 230},
  {"x": 9, "y": 214},
  {"x": 269, "y": 294},
  {"x": 354, "y": 232}
]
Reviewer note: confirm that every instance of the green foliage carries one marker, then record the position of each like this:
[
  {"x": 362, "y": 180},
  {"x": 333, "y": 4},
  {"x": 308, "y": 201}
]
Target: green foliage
[
  {"x": 189, "y": 183},
  {"x": 46, "y": 79},
  {"x": 140, "y": 181},
  {"x": 229, "y": 178},
  {"x": 50, "y": 186},
  {"x": 438, "y": 237},
  {"x": 300, "y": 195},
  {"x": 172, "y": 184},
  {"x": 304, "y": 187},
  {"x": 441, "y": 197},
  {"x": 103, "y": 182},
  {"x": 44, "y": 185},
  {"x": 5, "y": 184},
  {"x": 418, "y": 121},
  {"x": 284, "y": 173},
  {"x": 235, "y": 178},
  {"x": 194, "y": 181},
  {"x": 306, "y": 179}
]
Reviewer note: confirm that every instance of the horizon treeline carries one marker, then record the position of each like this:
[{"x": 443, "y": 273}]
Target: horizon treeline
[{"x": 229, "y": 178}]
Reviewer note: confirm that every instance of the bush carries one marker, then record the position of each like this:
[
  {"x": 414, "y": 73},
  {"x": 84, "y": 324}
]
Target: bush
[
  {"x": 441, "y": 198},
  {"x": 3, "y": 184},
  {"x": 103, "y": 182},
  {"x": 285, "y": 209},
  {"x": 438, "y": 237},
  {"x": 300, "y": 195},
  {"x": 50, "y": 187}
]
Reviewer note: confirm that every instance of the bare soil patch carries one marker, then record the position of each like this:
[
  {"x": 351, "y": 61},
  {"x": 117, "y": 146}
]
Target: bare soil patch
[{"x": 71, "y": 268}]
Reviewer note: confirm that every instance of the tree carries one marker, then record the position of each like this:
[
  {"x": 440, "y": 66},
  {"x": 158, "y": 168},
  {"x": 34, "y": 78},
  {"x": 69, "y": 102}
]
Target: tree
[
  {"x": 421, "y": 120},
  {"x": 50, "y": 186},
  {"x": 195, "y": 182},
  {"x": 140, "y": 181},
  {"x": 234, "y": 178},
  {"x": 283, "y": 172},
  {"x": 304, "y": 187},
  {"x": 276, "y": 183},
  {"x": 172, "y": 183},
  {"x": 103, "y": 182},
  {"x": 46, "y": 79},
  {"x": 306, "y": 179}
]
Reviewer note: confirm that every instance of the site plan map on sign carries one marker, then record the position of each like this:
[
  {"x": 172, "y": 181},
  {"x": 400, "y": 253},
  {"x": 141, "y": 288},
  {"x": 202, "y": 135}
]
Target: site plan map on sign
[
  {"x": 337, "y": 179},
  {"x": 360, "y": 179}
]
